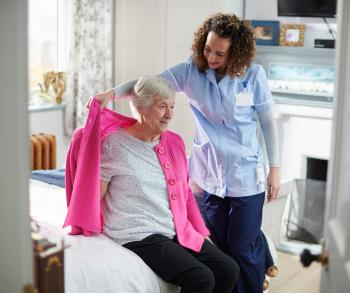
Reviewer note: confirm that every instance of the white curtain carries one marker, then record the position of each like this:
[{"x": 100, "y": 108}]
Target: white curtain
[{"x": 90, "y": 58}]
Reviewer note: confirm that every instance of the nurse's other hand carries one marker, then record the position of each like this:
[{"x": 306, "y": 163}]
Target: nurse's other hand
[
  {"x": 273, "y": 183},
  {"x": 104, "y": 98}
]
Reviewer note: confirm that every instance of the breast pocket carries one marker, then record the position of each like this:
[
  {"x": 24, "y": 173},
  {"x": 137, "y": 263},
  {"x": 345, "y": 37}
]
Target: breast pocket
[
  {"x": 244, "y": 109},
  {"x": 244, "y": 113}
]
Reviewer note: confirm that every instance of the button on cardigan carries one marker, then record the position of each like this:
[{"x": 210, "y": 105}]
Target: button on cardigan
[{"x": 83, "y": 178}]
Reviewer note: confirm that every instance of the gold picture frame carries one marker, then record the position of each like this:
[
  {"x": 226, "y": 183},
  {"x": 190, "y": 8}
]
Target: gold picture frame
[{"x": 292, "y": 35}]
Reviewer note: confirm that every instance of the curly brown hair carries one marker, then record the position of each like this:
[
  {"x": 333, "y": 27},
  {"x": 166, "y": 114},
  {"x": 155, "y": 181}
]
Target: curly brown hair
[{"x": 228, "y": 26}]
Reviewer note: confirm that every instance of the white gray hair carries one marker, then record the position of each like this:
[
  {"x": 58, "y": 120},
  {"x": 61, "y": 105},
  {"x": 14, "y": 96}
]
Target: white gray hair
[{"x": 147, "y": 90}]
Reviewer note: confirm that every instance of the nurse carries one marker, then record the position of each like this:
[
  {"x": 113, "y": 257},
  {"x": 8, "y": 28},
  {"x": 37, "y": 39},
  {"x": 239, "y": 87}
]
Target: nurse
[{"x": 229, "y": 96}]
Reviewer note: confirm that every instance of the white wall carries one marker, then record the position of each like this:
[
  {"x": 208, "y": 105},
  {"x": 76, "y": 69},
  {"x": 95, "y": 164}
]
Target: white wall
[
  {"x": 16, "y": 249},
  {"x": 267, "y": 10}
]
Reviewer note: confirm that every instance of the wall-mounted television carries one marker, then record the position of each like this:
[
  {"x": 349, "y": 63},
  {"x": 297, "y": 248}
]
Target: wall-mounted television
[{"x": 307, "y": 8}]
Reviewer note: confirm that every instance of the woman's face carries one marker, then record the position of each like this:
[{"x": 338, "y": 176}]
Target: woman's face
[
  {"x": 216, "y": 51},
  {"x": 158, "y": 115}
]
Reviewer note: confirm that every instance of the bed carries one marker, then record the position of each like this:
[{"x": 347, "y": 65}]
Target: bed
[
  {"x": 92, "y": 264},
  {"x": 96, "y": 263}
]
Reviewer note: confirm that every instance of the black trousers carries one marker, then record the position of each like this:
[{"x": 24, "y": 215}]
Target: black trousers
[{"x": 209, "y": 270}]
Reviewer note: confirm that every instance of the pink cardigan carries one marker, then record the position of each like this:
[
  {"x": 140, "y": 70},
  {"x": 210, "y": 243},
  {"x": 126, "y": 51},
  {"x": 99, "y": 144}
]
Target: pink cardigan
[{"x": 83, "y": 178}]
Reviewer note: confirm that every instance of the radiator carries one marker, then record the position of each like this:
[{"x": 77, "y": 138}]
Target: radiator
[{"x": 43, "y": 151}]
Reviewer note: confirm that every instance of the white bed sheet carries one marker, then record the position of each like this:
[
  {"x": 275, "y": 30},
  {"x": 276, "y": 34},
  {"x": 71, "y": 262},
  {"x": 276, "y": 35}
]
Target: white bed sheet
[{"x": 92, "y": 264}]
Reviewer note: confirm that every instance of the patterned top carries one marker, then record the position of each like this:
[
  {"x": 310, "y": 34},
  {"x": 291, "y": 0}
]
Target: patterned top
[{"x": 136, "y": 204}]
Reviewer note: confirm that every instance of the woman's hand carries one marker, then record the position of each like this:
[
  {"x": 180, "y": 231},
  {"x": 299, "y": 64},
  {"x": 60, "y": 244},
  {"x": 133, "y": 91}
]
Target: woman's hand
[
  {"x": 273, "y": 183},
  {"x": 104, "y": 98}
]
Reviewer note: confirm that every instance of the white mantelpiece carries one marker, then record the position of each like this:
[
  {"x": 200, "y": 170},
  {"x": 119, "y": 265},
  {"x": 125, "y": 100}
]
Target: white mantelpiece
[{"x": 304, "y": 132}]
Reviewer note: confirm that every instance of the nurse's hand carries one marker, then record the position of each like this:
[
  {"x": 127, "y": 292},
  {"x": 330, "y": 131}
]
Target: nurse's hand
[
  {"x": 104, "y": 98},
  {"x": 273, "y": 183}
]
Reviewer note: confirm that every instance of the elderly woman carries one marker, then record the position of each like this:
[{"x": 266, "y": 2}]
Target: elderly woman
[{"x": 146, "y": 203}]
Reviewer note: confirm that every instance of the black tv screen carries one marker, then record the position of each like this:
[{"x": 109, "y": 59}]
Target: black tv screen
[{"x": 307, "y": 8}]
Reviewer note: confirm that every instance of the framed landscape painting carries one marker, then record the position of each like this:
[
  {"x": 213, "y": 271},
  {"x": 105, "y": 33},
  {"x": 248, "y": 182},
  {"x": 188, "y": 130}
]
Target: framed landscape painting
[{"x": 266, "y": 32}]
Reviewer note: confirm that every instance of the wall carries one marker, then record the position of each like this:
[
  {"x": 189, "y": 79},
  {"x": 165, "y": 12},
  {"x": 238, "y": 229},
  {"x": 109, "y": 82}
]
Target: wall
[
  {"x": 267, "y": 10},
  {"x": 16, "y": 250}
]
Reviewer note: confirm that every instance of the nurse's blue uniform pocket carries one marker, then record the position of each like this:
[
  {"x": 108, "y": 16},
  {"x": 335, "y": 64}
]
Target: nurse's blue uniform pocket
[
  {"x": 244, "y": 109},
  {"x": 252, "y": 168},
  {"x": 199, "y": 156},
  {"x": 244, "y": 113}
]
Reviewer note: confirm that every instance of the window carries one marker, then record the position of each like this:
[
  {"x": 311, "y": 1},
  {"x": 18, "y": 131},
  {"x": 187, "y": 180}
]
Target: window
[{"x": 49, "y": 38}]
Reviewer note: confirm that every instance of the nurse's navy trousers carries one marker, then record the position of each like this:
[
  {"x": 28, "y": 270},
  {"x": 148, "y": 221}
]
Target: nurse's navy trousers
[{"x": 236, "y": 225}]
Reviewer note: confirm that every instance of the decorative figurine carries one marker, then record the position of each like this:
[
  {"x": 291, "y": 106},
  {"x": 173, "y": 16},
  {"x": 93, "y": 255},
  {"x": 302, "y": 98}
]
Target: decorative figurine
[{"x": 59, "y": 85}]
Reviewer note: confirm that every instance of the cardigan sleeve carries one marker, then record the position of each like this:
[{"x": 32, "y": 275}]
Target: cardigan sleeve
[{"x": 83, "y": 178}]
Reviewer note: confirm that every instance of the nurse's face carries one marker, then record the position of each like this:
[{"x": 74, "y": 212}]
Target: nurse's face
[{"x": 216, "y": 51}]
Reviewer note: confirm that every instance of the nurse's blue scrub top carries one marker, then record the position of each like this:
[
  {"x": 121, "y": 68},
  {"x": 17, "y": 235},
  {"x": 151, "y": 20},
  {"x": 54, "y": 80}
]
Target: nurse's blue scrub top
[{"x": 226, "y": 156}]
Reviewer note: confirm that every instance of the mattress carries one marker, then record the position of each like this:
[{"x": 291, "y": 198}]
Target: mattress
[{"x": 92, "y": 264}]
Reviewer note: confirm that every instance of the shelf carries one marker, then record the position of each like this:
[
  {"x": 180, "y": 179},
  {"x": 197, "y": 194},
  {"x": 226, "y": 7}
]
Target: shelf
[
  {"x": 301, "y": 51},
  {"x": 45, "y": 107},
  {"x": 283, "y": 100},
  {"x": 266, "y": 55},
  {"x": 312, "y": 95}
]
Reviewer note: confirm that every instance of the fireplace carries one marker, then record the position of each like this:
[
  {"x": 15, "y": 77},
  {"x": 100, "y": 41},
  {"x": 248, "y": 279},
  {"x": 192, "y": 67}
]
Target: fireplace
[
  {"x": 306, "y": 214},
  {"x": 316, "y": 169}
]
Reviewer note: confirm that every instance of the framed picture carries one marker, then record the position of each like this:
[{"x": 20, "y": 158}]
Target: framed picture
[
  {"x": 266, "y": 32},
  {"x": 292, "y": 35}
]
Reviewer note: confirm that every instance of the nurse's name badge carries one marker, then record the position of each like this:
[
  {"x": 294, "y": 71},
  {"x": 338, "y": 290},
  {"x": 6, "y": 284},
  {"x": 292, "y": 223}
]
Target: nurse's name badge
[{"x": 244, "y": 98}]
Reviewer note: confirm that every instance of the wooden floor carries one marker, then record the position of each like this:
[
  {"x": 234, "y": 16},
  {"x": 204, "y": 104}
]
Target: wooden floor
[{"x": 293, "y": 277}]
